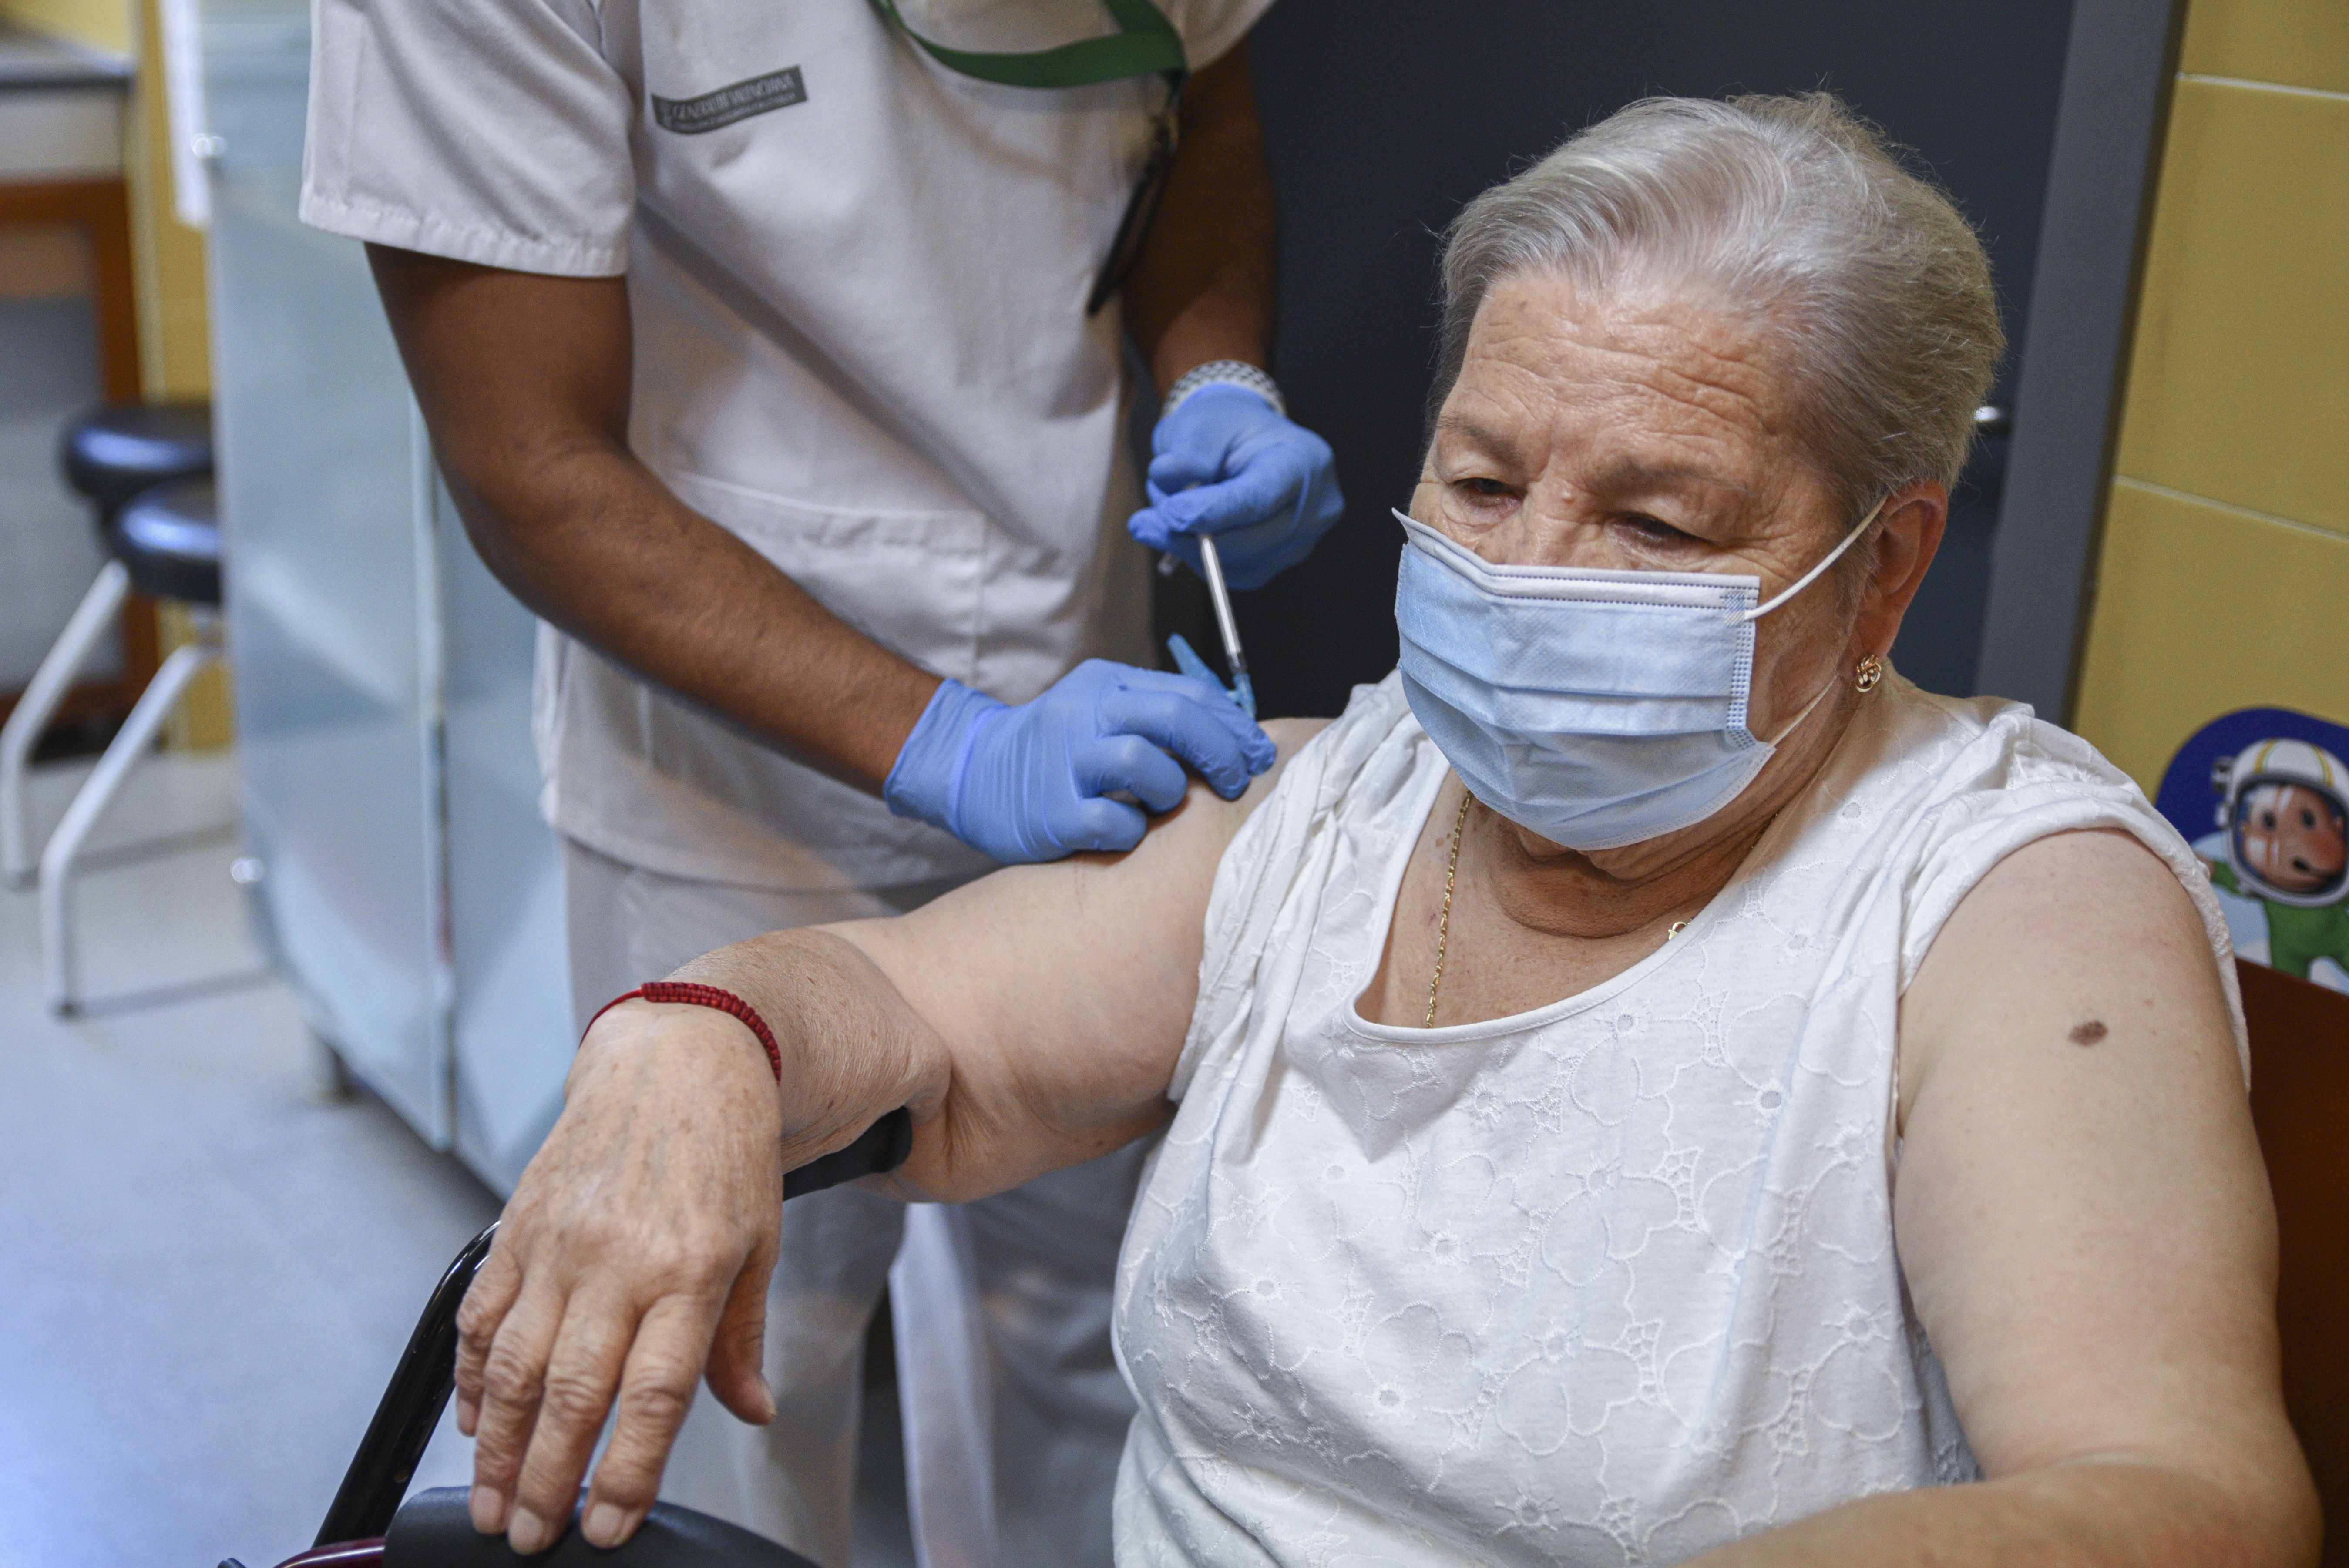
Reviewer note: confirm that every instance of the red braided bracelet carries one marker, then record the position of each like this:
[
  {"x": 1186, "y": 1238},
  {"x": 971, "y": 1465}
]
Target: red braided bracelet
[{"x": 700, "y": 997}]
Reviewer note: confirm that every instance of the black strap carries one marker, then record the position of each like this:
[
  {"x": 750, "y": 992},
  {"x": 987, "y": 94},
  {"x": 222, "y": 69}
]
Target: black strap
[{"x": 878, "y": 1149}]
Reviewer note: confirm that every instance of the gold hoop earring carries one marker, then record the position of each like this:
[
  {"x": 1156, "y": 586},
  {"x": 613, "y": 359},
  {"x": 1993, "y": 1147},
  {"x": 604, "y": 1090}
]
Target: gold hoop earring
[{"x": 1870, "y": 671}]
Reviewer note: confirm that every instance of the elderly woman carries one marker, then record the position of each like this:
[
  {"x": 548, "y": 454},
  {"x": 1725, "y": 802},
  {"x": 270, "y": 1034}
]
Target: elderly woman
[{"x": 1645, "y": 1081}]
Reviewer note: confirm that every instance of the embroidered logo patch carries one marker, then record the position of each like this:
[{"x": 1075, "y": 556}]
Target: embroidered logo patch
[{"x": 691, "y": 116}]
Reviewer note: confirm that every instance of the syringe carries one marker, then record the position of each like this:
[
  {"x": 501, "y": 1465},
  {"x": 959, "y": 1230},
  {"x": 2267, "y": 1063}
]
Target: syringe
[{"x": 1221, "y": 598}]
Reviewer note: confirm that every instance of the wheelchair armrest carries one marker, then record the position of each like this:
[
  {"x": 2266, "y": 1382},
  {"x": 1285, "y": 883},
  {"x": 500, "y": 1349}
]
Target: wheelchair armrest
[{"x": 433, "y": 1530}]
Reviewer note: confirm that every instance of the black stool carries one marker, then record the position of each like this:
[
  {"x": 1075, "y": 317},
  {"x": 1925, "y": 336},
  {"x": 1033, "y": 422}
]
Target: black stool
[
  {"x": 165, "y": 542},
  {"x": 109, "y": 455},
  {"x": 113, "y": 454},
  {"x": 169, "y": 540}
]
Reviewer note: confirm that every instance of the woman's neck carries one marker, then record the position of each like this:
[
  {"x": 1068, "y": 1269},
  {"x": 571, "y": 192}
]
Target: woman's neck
[{"x": 1554, "y": 892}]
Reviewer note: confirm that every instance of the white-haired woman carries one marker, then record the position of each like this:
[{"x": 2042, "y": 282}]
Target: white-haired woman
[{"x": 1646, "y": 1080}]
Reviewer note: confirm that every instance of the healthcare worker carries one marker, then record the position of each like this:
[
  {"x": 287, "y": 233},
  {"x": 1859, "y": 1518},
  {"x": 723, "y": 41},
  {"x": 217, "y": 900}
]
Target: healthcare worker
[{"x": 773, "y": 353}]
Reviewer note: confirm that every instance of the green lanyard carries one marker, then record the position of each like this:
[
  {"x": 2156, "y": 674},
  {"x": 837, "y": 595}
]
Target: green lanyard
[{"x": 1145, "y": 42}]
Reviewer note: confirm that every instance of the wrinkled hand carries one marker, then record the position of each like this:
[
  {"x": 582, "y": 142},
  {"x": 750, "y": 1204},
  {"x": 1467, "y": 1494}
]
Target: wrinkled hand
[
  {"x": 635, "y": 1250},
  {"x": 1226, "y": 463},
  {"x": 1035, "y": 782}
]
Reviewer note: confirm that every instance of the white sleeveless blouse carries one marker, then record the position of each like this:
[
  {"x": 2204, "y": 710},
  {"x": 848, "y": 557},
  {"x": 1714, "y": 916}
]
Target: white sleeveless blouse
[{"x": 1611, "y": 1282}]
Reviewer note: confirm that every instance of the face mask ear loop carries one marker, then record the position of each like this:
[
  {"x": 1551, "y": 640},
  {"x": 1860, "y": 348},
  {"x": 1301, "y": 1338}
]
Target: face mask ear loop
[
  {"x": 1808, "y": 708},
  {"x": 1812, "y": 576}
]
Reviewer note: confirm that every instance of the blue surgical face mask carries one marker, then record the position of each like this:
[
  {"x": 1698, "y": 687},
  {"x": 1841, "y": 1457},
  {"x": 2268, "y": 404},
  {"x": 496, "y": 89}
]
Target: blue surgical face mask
[{"x": 1597, "y": 708}]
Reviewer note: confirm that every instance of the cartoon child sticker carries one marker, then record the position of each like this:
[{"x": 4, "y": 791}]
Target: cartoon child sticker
[{"x": 2283, "y": 840}]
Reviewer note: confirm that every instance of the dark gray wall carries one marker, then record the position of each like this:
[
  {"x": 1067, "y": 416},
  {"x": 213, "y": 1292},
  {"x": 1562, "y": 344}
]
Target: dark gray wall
[
  {"x": 2108, "y": 133},
  {"x": 1385, "y": 114}
]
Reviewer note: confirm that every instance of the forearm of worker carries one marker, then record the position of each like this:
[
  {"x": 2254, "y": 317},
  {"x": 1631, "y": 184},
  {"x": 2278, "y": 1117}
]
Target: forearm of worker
[
  {"x": 2083, "y": 1222},
  {"x": 524, "y": 380},
  {"x": 1202, "y": 288}
]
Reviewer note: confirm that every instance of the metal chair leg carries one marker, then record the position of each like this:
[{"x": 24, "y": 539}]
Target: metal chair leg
[
  {"x": 31, "y": 716},
  {"x": 139, "y": 731}
]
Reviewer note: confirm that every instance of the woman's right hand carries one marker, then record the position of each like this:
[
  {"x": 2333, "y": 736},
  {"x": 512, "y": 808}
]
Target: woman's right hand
[{"x": 635, "y": 1253}]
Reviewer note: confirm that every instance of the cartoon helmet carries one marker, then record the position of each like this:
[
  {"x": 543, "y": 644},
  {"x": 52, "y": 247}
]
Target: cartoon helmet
[{"x": 2286, "y": 819}]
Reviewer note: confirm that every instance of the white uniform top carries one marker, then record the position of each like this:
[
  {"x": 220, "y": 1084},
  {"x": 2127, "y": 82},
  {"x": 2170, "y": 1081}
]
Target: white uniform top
[
  {"x": 1610, "y": 1282},
  {"x": 858, "y": 282}
]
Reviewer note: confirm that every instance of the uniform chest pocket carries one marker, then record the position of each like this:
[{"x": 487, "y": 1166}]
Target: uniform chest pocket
[{"x": 909, "y": 580}]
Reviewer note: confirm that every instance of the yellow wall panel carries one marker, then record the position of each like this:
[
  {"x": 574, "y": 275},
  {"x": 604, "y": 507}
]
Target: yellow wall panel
[
  {"x": 100, "y": 23},
  {"x": 2199, "y": 609},
  {"x": 2239, "y": 386},
  {"x": 2299, "y": 43},
  {"x": 174, "y": 325}
]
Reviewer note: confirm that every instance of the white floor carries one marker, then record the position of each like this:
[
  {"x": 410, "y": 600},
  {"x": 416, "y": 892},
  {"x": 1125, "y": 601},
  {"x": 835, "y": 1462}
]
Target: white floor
[{"x": 206, "y": 1271}]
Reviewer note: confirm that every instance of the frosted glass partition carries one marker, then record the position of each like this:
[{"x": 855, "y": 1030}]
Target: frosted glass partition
[
  {"x": 319, "y": 485},
  {"x": 408, "y": 890},
  {"x": 512, "y": 1023}
]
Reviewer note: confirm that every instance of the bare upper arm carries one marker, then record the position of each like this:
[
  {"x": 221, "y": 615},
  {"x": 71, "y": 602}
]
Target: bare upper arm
[
  {"x": 2081, "y": 1209},
  {"x": 1062, "y": 993}
]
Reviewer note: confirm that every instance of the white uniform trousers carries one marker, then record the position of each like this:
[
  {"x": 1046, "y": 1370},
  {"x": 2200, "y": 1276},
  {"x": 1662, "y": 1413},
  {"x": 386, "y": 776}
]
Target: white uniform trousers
[{"x": 1015, "y": 1412}]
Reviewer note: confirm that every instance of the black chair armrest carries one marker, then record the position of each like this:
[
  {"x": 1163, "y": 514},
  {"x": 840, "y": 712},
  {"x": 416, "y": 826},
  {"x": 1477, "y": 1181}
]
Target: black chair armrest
[{"x": 432, "y": 1530}]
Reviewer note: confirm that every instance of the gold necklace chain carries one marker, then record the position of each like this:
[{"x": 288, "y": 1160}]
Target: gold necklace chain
[{"x": 1443, "y": 922}]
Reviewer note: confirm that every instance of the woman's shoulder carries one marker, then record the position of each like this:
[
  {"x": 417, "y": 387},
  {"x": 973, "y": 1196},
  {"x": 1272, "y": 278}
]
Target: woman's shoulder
[
  {"x": 1952, "y": 746},
  {"x": 1939, "y": 771},
  {"x": 1967, "y": 778},
  {"x": 1962, "y": 782},
  {"x": 1376, "y": 727}
]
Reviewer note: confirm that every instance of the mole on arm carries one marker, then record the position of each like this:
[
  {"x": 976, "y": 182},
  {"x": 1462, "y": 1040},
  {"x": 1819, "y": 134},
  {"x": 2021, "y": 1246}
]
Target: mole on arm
[{"x": 2089, "y": 1033}]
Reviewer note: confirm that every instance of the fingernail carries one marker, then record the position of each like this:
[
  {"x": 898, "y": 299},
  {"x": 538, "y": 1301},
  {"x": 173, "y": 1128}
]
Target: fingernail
[
  {"x": 605, "y": 1524},
  {"x": 528, "y": 1532},
  {"x": 767, "y": 1395},
  {"x": 469, "y": 1415},
  {"x": 488, "y": 1507}
]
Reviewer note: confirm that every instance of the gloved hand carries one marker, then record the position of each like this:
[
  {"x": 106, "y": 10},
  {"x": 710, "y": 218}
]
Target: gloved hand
[
  {"x": 1032, "y": 782},
  {"x": 1226, "y": 463}
]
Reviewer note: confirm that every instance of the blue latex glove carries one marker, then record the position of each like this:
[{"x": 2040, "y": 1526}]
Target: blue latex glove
[
  {"x": 1226, "y": 463},
  {"x": 1033, "y": 782}
]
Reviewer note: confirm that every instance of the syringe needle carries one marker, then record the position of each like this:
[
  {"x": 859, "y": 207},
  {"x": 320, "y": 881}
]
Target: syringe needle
[{"x": 1221, "y": 598}]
